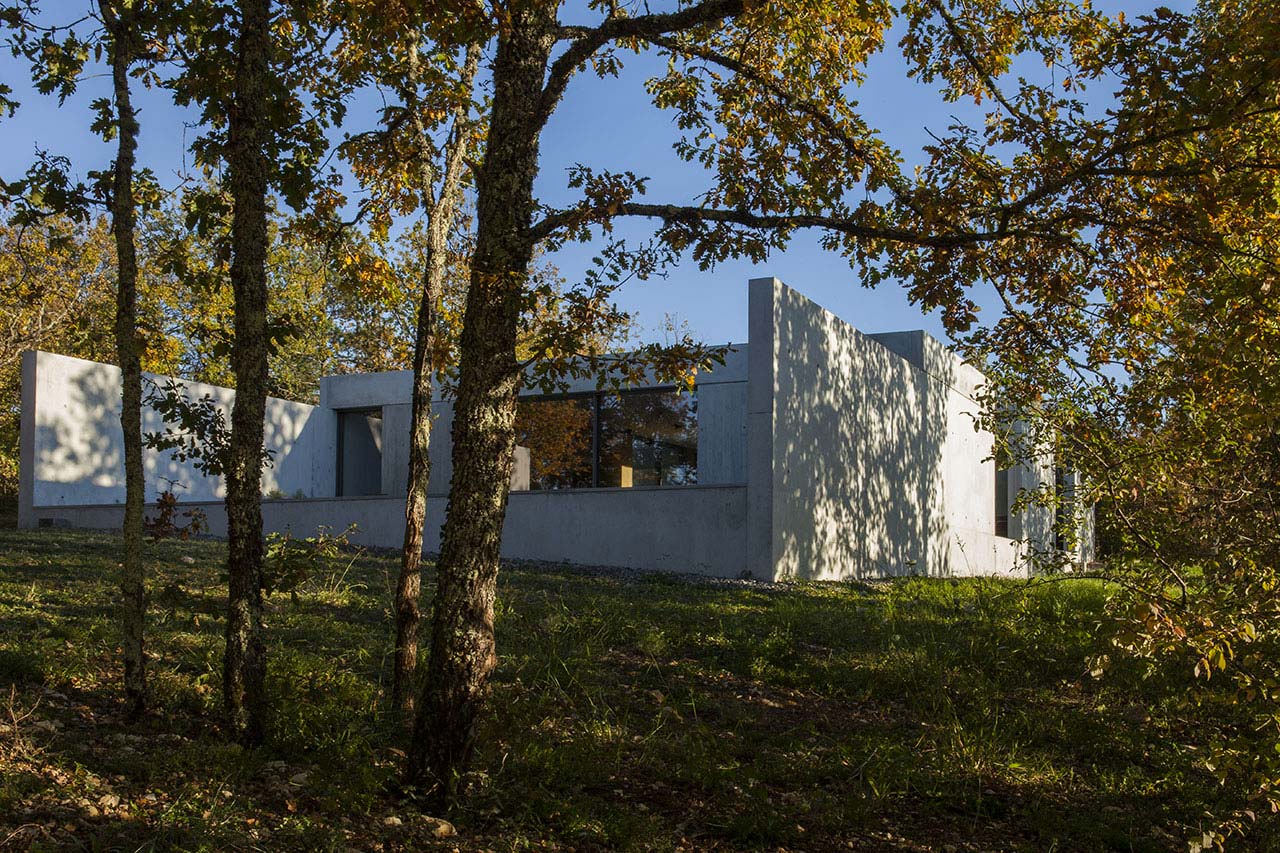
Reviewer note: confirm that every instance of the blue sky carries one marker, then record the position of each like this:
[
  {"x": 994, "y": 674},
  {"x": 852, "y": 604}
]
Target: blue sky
[{"x": 603, "y": 123}]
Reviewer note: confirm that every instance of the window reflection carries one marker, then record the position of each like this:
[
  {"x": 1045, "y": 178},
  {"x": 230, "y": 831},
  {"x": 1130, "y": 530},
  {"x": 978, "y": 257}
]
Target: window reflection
[
  {"x": 636, "y": 438},
  {"x": 648, "y": 438},
  {"x": 558, "y": 433}
]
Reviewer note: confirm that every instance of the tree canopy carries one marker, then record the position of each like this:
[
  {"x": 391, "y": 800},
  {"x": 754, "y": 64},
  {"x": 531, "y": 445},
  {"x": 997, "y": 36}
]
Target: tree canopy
[{"x": 1111, "y": 180}]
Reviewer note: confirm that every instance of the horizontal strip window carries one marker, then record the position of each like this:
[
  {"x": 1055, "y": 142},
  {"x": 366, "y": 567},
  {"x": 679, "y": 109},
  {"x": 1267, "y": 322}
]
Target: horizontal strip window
[{"x": 646, "y": 437}]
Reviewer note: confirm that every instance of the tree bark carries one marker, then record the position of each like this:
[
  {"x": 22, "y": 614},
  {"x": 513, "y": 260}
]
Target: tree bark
[
  {"x": 128, "y": 352},
  {"x": 440, "y": 219},
  {"x": 244, "y": 662},
  {"x": 462, "y": 644}
]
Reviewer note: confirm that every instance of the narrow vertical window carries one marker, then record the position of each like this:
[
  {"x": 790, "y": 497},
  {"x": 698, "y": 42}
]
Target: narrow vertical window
[{"x": 1002, "y": 501}]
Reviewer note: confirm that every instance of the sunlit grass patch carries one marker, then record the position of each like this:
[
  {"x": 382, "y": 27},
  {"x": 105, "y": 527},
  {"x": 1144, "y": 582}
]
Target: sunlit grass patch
[{"x": 649, "y": 713}]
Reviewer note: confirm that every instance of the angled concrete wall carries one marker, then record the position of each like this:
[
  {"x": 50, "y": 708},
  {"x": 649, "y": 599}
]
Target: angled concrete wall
[
  {"x": 73, "y": 446},
  {"x": 863, "y": 457},
  {"x": 841, "y": 479}
]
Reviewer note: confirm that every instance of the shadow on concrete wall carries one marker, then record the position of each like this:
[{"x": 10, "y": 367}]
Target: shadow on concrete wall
[
  {"x": 858, "y": 454},
  {"x": 78, "y": 440},
  {"x": 305, "y": 440},
  {"x": 79, "y": 447}
]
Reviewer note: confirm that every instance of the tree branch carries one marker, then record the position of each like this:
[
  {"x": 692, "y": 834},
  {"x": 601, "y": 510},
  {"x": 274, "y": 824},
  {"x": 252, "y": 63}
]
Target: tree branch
[
  {"x": 814, "y": 112},
  {"x": 685, "y": 214},
  {"x": 586, "y": 41},
  {"x": 455, "y": 153},
  {"x": 957, "y": 35},
  {"x": 1094, "y": 165}
]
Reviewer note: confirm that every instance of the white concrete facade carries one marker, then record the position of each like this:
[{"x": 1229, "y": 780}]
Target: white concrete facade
[
  {"x": 72, "y": 446},
  {"x": 822, "y": 453}
]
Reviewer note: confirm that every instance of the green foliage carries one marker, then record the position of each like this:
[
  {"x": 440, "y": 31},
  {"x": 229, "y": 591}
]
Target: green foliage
[
  {"x": 628, "y": 714},
  {"x": 307, "y": 87},
  {"x": 1151, "y": 365},
  {"x": 291, "y": 562},
  {"x": 323, "y": 318},
  {"x": 195, "y": 431}
]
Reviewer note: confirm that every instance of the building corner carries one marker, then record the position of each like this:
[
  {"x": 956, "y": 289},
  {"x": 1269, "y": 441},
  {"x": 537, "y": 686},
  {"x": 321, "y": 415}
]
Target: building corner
[
  {"x": 763, "y": 296},
  {"x": 27, "y": 442}
]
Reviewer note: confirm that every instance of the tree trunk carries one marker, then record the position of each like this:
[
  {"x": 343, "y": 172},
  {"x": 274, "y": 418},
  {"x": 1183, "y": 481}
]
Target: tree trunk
[
  {"x": 133, "y": 603},
  {"x": 440, "y": 222},
  {"x": 462, "y": 646},
  {"x": 244, "y": 663},
  {"x": 408, "y": 585}
]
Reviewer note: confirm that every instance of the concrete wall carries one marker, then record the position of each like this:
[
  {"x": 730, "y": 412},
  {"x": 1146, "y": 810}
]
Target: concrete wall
[
  {"x": 966, "y": 477},
  {"x": 71, "y": 436},
  {"x": 1034, "y": 525},
  {"x": 73, "y": 447},
  {"x": 823, "y": 453},
  {"x": 722, "y": 421},
  {"x": 366, "y": 390},
  {"x": 722, "y": 433},
  {"x": 863, "y": 459},
  {"x": 694, "y": 529}
]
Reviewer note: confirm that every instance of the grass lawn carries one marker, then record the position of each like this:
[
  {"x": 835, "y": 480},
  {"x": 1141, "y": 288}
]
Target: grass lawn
[{"x": 650, "y": 713}]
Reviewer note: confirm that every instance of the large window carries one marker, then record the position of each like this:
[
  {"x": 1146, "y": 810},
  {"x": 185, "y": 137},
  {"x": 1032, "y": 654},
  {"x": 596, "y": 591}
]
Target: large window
[
  {"x": 648, "y": 438},
  {"x": 559, "y": 435},
  {"x": 635, "y": 438}
]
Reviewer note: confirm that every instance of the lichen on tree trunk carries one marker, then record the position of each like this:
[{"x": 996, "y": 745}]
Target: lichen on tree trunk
[
  {"x": 462, "y": 644},
  {"x": 128, "y": 352},
  {"x": 440, "y": 217},
  {"x": 244, "y": 662},
  {"x": 408, "y": 584}
]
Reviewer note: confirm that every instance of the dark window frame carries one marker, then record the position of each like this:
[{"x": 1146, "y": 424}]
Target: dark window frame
[
  {"x": 1002, "y": 502},
  {"x": 596, "y": 397}
]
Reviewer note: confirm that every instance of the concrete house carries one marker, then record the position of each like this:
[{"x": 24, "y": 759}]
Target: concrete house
[{"x": 816, "y": 451}]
